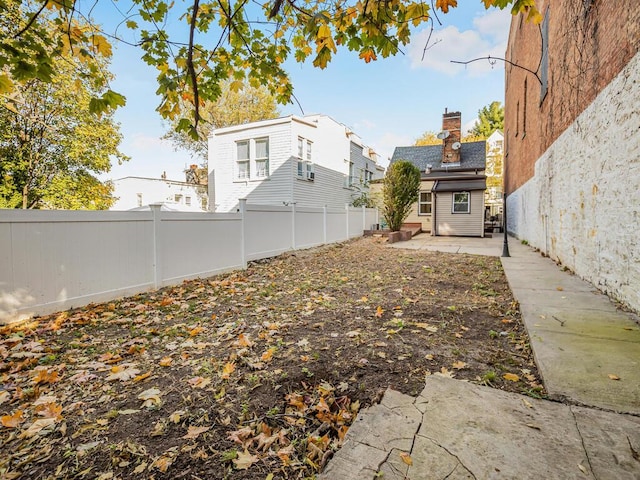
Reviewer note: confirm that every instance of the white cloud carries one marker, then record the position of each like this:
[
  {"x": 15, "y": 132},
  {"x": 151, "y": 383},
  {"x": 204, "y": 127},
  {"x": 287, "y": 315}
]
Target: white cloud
[
  {"x": 386, "y": 144},
  {"x": 364, "y": 124},
  {"x": 489, "y": 37}
]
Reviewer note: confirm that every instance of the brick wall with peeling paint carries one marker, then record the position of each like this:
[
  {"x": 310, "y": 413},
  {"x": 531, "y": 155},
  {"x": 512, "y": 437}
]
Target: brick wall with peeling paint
[{"x": 582, "y": 204}]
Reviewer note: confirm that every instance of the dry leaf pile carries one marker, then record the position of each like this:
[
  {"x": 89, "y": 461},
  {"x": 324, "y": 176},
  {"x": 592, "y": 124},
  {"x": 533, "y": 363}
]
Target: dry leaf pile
[{"x": 251, "y": 375}]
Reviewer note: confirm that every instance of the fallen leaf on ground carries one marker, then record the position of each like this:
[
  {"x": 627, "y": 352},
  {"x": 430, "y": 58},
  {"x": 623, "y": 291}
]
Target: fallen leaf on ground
[
  {"x": 228, "y": 369},
  {"x": 199, "y": 382},
  {"x": 50, "y": 410},
  {"x": 151, "y": 397},
  {"x": 194, "y": 432},
  {"x": 12, "y": 421},
  {"x": 426, "y": 326},
  {"x": 406, "y": 458},
  {"x": 244, "y": 460},
  {"x": 166, "y": 361},
  {"x": 511, "y": 377},
  {"x": 459, "y": 365},
  {"x": 614, "y": 377},
  {"x": 37, "y": 426},
  {"x": 123, "y": 374},
  {"x": 4, "y": 397}
]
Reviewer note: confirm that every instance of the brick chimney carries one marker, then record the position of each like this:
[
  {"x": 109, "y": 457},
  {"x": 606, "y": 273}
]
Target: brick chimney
[{"x": 451, "y": 122}]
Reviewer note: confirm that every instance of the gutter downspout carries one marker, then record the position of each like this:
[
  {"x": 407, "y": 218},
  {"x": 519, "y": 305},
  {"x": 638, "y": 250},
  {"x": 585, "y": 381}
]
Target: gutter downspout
[{"x": 434, "y": 208}]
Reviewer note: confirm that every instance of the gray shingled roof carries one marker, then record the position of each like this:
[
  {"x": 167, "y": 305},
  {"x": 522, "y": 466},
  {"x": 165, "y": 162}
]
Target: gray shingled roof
[{"x": 472, "y": 157}]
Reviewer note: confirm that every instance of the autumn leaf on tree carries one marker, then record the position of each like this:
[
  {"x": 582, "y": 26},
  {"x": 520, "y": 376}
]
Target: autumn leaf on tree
[{"x": 444, "y": 5}]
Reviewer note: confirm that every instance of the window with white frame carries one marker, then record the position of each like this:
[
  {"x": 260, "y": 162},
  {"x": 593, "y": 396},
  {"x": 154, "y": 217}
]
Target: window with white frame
[
  {"x": 242, "y": 159},
  {"x": 187, "y": 201},
  {"x": 305, "y": 165},
  {"x": 424, "y": 203},
  {"x": 262, "y": 157},
  {"x": 461, "y": 202}
]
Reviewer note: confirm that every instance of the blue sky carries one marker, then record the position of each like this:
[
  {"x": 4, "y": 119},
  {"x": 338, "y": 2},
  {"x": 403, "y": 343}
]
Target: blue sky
[{"x": 388, "y": 103}]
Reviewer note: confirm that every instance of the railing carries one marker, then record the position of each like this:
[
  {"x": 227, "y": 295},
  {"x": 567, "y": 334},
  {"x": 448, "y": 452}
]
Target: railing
[{"x": 54, "y": 260}]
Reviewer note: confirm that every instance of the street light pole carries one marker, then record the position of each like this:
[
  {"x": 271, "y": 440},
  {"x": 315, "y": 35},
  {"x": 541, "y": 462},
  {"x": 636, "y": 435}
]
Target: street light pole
[{"x": 505, "y": 245}]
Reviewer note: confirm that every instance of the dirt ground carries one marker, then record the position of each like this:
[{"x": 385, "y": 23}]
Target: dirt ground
[{"x": 255, "y": 374}]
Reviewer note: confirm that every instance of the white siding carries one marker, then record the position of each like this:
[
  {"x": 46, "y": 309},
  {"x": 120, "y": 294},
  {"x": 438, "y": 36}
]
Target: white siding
[
  {"x": 459, "y": 224},
  {"x": 134, "y": 192},
  {"x": 414, "y": 216},
  {"x": 331, "y": 154},
  {"x": 222, "y": 160}
]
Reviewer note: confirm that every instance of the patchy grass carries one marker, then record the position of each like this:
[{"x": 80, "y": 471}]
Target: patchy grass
[{"x": 254, "y": 373}]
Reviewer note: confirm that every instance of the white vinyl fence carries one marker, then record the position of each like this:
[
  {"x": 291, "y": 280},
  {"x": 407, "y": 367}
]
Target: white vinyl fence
[{"x": 55, "y": 260}]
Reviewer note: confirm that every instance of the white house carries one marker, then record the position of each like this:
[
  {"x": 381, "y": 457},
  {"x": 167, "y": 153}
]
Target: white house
[
  {"x": 137, "y": 192},
  {"x": 310, "y": 161}
]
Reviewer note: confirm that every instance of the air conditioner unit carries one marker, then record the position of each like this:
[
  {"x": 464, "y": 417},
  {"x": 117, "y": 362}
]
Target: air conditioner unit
[{"x": 311, "y": 176}]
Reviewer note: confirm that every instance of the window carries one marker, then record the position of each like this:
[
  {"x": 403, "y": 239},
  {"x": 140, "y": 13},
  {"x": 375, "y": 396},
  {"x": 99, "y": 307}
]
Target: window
[
  {"x": 262, "y": 157},
  {"x": 300, "y": 168},
  {"x": 544, "y": 61},
  {"x": 300, "y": 147},
  {"x": 243, "y": 159},
  {"x": 187, "y": 201},
  {"x": 308, "y": 150},
  {"x": 424, "y": 203},
  {"x": 139, "y": 199},
  {"x": 178, "y": 198},
  {"x": 352, "y": 178},
  {"x": 461, "y": 202}
]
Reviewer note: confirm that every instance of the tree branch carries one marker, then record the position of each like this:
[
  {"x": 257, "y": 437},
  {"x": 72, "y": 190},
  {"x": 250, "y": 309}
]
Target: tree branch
[
  {"x": 190, "y": 67},
  {"x": 490, "y": 58},
  {"x": 31, "y": 20}
]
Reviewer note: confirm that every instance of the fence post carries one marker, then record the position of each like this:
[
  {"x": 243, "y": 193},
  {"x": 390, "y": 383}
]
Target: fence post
[
  {"x": 377, "y": 216},
  {"x": 293, "y": 225},
  {"x": 346, "y": 209},
  {"x": 156, "y": 209},
  {"x": 364, "y": 218},
  {"x": 324, "y": 225},
  {"x": 243, "y": 209}
]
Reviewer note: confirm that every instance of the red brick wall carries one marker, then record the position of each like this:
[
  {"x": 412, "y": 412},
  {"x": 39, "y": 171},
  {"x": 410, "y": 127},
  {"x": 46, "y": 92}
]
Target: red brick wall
[
  {"x": 590, "y": 42},
  {"x": 451, "y": 122}
]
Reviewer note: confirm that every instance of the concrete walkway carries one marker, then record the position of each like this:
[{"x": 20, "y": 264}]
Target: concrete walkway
[{"x": 588, "y": 354}]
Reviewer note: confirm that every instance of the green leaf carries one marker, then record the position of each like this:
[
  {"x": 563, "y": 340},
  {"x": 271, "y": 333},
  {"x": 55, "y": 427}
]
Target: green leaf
[{"x": 6, "y": 85}]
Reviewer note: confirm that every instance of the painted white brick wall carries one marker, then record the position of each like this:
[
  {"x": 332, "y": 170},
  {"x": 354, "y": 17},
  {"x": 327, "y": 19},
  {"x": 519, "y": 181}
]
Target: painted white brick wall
[{"x": 582, "y": 207}]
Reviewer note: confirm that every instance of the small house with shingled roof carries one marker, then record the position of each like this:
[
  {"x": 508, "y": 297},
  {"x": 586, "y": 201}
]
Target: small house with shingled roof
[{"x": 453, "y": 182}]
